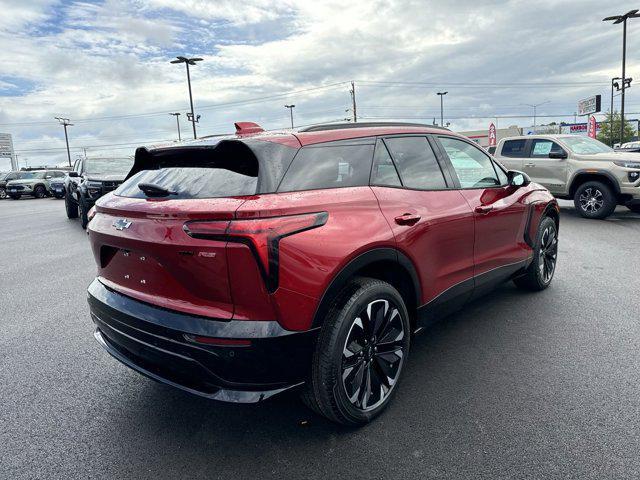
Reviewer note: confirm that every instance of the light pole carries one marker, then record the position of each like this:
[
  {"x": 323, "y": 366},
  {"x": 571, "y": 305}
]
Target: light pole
[
  {"x": 614, "y": 83},
  {"x": 177, "y": 115},
  {"x": 442, "y": 94},
  {"x": 535, "y": 107},
  {"x": 65, "y": 123},
  {"x": 623, "y": 19},
  {"x": 290, "y": 107},
  {"x": 187, "y": 62}
]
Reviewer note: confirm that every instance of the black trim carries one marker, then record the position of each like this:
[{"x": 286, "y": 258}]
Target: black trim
[
  {"x": 152, "y": 341},
  {"x": 358, "y": 263},
  {"x": 591, "y": 172},
  {"x": 527, "y": 229}
]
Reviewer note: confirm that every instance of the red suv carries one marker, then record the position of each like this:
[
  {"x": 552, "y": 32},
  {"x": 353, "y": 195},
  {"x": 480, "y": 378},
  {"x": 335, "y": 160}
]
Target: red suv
[{"x": 239, "y": 267}]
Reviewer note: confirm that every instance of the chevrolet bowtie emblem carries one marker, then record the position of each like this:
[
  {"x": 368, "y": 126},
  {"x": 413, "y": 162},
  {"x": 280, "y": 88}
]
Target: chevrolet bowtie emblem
[{"x": 121, "y": 224}]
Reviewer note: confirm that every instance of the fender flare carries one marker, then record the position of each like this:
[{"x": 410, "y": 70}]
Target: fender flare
[
  {"x": 604, "y": 173},
  {"x": 369, "y": 257}
]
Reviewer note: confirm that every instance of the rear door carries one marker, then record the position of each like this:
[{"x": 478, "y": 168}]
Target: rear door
[
  {"x": 549, "y": 172},
  {"x": 512, "y": 153},
  {"x": 500, "y": 215},
  {"x": 431, "y": 221}
]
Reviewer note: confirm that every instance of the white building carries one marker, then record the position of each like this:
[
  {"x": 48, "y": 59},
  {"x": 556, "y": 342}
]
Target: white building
[{"x": 7, "y": 155}]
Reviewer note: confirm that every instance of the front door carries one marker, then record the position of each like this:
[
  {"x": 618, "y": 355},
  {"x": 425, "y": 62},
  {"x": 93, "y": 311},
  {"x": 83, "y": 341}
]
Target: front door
[
  {"x": 549, "y": 172},
  {"x": 500, "y": 216}
]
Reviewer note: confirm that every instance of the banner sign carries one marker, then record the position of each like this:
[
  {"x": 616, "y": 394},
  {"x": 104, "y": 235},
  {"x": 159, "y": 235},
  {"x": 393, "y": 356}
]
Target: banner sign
[
  {"x": 590, "y": 105},
  {"x": 591, "y": 130},
  {"x": 492, "y": 135}
]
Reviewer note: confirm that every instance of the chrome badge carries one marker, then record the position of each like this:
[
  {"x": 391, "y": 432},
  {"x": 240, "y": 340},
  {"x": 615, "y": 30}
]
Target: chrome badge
[{"x": 121, "y": 224}]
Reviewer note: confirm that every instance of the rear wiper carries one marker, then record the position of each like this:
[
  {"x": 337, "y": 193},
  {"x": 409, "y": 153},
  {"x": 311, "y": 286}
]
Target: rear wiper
[{"x": 153, "y": 190}]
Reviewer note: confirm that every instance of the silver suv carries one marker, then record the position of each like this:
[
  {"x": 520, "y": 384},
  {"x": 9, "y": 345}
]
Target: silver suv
[{"x": 595, "y": 176}]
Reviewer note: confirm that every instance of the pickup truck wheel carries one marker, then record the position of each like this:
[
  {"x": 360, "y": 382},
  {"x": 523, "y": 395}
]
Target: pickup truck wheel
[
  {"x": 84, "y": 214},
  {"x": 540, "y": 272},
  {"x": 39, "y": 192},
  {"x": 594, "y": 200},
  {"x": 360, "y": 354},
  {"x": 70, "y": 206},
  {"x": 3, "y": 194}
]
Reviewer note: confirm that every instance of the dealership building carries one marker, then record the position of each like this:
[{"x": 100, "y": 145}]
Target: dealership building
[{"x": 7, "y": 155}]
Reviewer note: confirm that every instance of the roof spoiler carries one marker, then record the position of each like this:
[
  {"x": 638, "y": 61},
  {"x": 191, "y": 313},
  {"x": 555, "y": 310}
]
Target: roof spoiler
[{"x": 246, "y": 128}]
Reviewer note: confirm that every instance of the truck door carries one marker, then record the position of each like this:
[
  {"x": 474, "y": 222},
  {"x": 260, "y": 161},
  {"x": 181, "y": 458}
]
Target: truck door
[{"x": 547, "y": 164}]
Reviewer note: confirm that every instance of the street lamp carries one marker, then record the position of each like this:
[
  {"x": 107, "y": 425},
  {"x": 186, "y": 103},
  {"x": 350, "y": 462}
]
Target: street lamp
[
  {"x": 65, "y": 123},
  {"x": 177, "y": 115},
  {"x": 535, "y": 106},
  {"x": 290, "y": 107},
  {"x": 442, "y": 94},
  {"x": 187, "y": 62},
  {"x": 623, "y": 19},
  {"x": 616, "y": 84}
]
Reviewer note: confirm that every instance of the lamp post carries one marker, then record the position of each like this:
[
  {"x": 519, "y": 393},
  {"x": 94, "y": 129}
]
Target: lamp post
[
  {"x": 616, "y": 20},
  {"x": 65, "y": 123},
  {"x": 177, "y": 115},
  {"x": 442, "y": 94},
  {"x": 535, "y": 107},
  {"x": 616, "y": 85},
  {"x": 187, "y": 62},
  {"x": 290, "y": 107}
]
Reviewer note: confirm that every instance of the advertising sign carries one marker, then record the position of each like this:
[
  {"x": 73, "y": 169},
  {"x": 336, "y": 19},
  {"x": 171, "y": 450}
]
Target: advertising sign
[
  {"x": 492, "y": 135},
  {"x": 589, "y": 105},
  {"x": 591, "y": 129}
]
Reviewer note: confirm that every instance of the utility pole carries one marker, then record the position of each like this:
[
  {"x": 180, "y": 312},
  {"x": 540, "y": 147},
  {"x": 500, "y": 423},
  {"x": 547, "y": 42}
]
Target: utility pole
[
  {"x": 614, "y": 83},
  {"x": 65, "y": 123},
  {"x": 535, "y": 107},
  {"x": 442, "y": 94},
  {"x": 187, "y": 62},
  {"x": 623, "y": 19},
  {"x": 290, "y": 107},
  {"x": 353, "y": 100},
  {"x": 177, "y": 115}
]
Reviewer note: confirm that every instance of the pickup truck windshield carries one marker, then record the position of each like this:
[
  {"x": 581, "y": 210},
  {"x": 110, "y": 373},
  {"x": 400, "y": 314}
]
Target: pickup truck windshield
[
  {"x": 586, "y": 145},
  {"x": 101, "y": 166}
]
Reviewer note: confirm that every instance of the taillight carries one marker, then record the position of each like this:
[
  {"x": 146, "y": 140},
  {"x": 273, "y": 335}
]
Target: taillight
[{"x": 261, "y": 235}]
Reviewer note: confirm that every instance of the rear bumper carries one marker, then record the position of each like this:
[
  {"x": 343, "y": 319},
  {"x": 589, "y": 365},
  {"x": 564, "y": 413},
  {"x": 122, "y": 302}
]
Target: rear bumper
[{"x": 152, "y": 341}]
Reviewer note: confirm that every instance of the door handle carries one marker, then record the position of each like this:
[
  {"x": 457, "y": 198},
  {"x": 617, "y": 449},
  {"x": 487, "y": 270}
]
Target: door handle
[
  {"x": 483, "y": 209},
  {"x": 407, "y": 219},
  {"x": 529, "y": 164}
]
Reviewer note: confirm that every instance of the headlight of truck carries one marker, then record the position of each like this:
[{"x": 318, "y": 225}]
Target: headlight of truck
[{"x": 627, "y": 164}]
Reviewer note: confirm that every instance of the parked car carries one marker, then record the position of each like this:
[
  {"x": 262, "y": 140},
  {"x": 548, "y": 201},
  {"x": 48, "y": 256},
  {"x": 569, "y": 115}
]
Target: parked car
[
  {"x": 4, "y": 178},
  {"x": 629, "y": 147},
  {"x": 595, "y": 176},
  {"x": 89, "y": 180},
  {"x": 34, "y": 183},
  {"x": 56, "y": 187},
  {"x": 240, "y": 267}
]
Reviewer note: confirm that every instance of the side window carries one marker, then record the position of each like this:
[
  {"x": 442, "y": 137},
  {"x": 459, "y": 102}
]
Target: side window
[
  {"x": 416, "y": 163},
  {"x": 328, "y": 166},
  {"x": 473, "y": 167},
  {"x": 541, "y": 148},
  {"x": 513, "y": 148},
  {"x": 384, "y": 172},
  {"x": 58, "y": 174}
]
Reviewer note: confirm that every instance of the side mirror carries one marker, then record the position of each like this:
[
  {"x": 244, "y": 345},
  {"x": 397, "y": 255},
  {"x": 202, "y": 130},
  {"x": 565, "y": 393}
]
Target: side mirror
[
  {"x": 73, "y": 174},
  {"x": 559, "y": 155},
  {"x": 518, "y": 179}
]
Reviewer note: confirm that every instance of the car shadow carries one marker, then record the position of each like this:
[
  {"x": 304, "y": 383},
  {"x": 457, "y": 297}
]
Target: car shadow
[{"x": 620, "y": 214}]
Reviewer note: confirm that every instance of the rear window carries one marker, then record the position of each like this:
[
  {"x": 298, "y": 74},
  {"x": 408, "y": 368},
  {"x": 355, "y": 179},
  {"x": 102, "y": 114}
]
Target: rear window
[
  {"x": 328, "y": 167},
  {"x": 513, "y": 148}
]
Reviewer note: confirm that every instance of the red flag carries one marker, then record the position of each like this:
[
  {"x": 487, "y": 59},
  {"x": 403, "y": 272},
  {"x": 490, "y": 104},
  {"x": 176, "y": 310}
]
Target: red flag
[{"x": 492, "y": 135}]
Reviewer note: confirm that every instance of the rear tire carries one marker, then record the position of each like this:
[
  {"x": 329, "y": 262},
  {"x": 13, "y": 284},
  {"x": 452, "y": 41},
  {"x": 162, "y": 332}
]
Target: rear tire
[
  {"x": 3, "y": 194},
  {"x": 594, "y": 200},
  {"x": 358, "y": 363},
  {"x": 71, "y": 207},
  {"x": 84, "y": 214},
  {"x": 540, "y": 272}
]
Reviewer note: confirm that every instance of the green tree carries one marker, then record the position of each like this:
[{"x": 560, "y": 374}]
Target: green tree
[{"x": 610, "y": 130}]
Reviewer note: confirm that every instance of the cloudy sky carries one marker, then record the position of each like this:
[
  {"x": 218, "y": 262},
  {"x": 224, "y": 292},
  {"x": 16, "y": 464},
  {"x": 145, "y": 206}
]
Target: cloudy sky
[{"x": 105, "y": 65}]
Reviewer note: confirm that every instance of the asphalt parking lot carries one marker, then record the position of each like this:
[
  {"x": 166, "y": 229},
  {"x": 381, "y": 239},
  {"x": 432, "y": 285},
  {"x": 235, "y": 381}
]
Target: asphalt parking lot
[{"x": 515, "y": 386}]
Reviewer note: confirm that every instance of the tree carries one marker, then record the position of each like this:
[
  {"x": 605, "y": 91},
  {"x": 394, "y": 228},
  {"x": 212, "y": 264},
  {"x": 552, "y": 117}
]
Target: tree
[{"x": 610, "y": 130}]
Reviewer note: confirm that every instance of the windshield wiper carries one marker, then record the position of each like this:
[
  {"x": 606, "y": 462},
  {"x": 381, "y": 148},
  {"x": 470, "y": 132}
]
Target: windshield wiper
[{"x": 153, "y": 190}]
